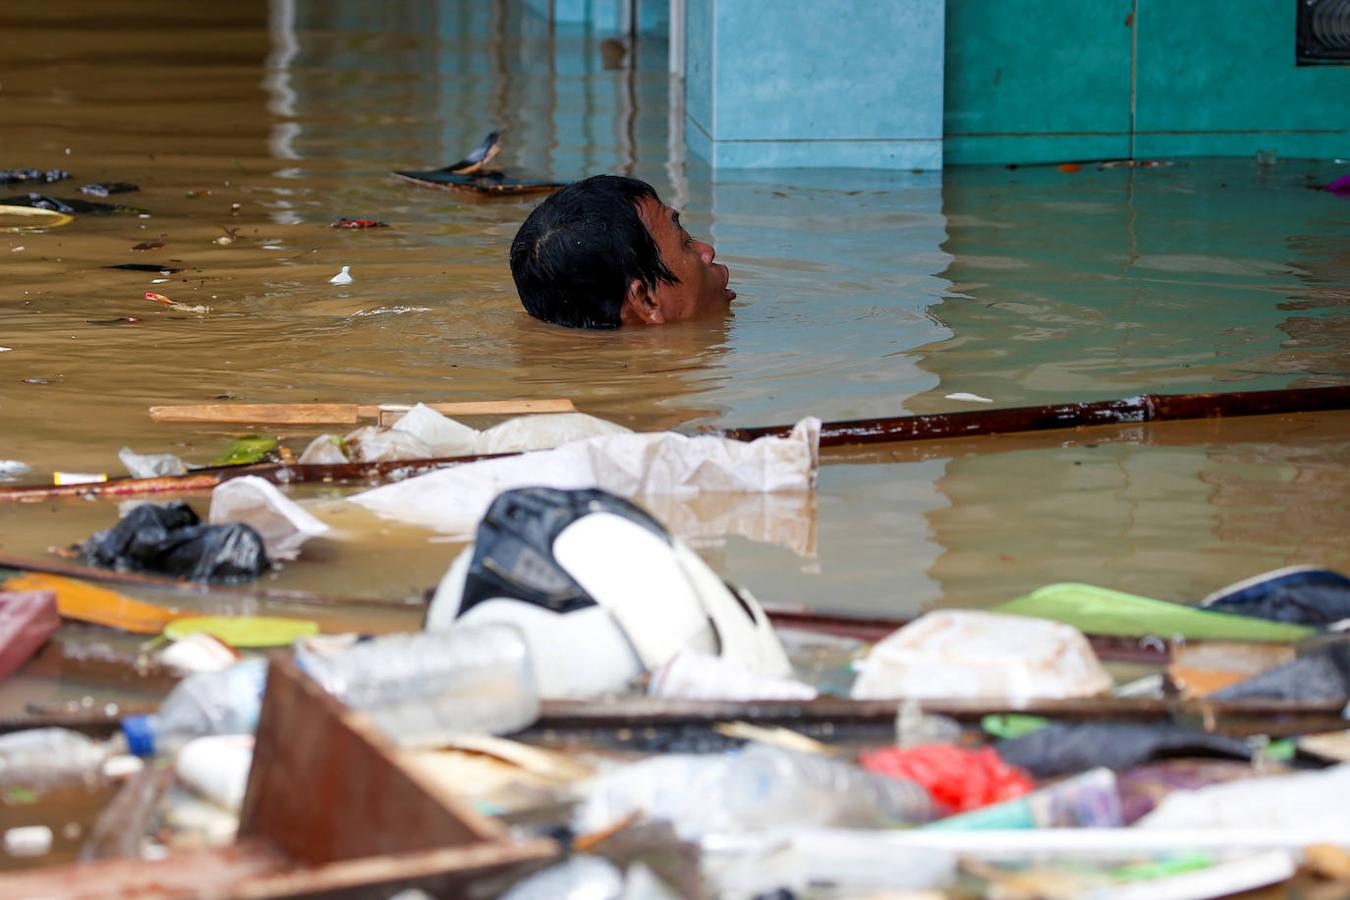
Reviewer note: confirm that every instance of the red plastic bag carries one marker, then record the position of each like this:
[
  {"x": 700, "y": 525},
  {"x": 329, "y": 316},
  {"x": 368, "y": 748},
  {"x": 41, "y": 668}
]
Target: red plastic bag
[{"x": 957, "y": 778}]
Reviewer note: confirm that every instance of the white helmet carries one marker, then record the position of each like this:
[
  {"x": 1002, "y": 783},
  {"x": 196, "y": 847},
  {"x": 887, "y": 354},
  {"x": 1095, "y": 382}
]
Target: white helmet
[{"x": 601, "y": 591}]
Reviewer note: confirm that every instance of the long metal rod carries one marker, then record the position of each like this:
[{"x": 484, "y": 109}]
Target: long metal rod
[
  {"x": 858, "y": 432},
  {"x": 1143, "y": 408}
]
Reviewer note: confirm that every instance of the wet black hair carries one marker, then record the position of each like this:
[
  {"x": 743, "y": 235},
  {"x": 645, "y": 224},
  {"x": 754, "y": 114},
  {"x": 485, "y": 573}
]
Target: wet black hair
[{"x": 578, "y": 251}]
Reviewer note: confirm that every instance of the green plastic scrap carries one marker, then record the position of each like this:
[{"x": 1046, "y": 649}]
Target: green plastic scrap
[
  {"x": 20, "y": 796},
  {"x": 1012, "y": 725},
  {"x": 1161, "y": 868},
  {"x": 1098, "y": 610},
  {"x": 250, "y": 448}
]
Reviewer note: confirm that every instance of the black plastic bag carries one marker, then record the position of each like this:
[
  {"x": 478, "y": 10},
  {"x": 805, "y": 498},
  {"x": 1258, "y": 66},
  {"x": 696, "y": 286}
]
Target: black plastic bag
[
  {"x": 1304, "y": 595},
  {"x": 1322, "y": 674},
  {"x": 170, "y": 539},
  {"x": 1062, "y": 749}
]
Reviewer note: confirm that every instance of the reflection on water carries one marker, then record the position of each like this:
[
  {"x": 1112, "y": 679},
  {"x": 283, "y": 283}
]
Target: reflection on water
[{"x": 862, "y": 293}]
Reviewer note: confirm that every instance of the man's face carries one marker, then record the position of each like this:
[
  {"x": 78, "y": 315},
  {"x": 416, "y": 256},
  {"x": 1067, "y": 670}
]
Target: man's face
[{"x": 702, "y": 289}]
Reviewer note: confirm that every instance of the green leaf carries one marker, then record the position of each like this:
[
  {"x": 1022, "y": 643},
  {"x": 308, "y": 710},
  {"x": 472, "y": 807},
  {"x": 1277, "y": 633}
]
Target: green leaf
[{"x": 250, "y": 448}]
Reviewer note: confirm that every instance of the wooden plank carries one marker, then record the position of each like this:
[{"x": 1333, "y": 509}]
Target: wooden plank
[
  {"x": 446, "y": 872},
  {"x": 260, "y": 413},
  {"x": 478, "y": 407},
  {"x": 342, "y": 413},
  {"x": 326, "y": 785},
  {"x": 100, "y": 606},
  {"x": 185, "y": 874}
]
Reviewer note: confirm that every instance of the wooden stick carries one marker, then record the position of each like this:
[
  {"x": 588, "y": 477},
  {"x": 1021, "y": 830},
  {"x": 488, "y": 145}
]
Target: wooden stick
[
  {"x": 341, "y": 413},
  {"x": 1143, "y": 408}
]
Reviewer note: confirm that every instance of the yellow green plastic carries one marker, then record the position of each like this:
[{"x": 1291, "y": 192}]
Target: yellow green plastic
[
  {"x": 1098, "y": 610},
  {"x": 244, "y": 631}
]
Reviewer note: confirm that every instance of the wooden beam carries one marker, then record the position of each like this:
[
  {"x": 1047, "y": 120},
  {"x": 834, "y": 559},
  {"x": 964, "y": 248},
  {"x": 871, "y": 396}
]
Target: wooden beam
[
  {"x": 326, "y": 785},
  {"x": 342, "y": 413}
]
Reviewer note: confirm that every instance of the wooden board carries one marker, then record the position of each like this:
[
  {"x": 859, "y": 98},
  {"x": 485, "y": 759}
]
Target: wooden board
[
  {"x": 342, "y": 413},
  {"x": 326, "y": 784}
]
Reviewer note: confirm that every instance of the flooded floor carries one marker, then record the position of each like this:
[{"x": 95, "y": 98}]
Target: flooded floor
[{"x": 252, "y": 126}]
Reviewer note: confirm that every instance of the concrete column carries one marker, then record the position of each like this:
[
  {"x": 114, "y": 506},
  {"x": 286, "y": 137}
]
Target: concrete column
[
  {"x": 605, "y": 16},
  {"x": 801, "y": 83}
]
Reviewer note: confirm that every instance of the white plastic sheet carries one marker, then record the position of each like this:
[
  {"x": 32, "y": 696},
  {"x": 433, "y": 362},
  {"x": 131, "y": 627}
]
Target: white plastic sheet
[{"x": 454, "y": 500}]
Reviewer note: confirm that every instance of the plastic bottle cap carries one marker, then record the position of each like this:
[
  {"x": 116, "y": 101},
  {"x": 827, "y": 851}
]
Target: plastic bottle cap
[{"x": 140, "y": 734}]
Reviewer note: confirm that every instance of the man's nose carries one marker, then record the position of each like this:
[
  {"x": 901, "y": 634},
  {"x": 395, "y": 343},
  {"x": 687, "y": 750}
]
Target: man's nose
[{"x": 706, "y": 252}]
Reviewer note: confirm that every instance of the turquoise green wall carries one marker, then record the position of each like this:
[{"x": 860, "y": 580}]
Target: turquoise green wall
[{"x": 1051, "y": 80}]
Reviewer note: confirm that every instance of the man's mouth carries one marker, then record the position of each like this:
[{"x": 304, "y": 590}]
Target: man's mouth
[{"x": 726, "y": 281}]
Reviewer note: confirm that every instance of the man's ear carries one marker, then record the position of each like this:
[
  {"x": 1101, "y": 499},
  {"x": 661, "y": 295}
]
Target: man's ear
[{"x": 640, "y": 306}]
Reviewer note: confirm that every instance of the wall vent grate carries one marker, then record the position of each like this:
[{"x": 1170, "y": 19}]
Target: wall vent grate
[{"x": 1323, "y": 31}]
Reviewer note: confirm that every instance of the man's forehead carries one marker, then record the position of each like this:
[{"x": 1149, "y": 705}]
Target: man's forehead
[{"x": 654, "y": 212}]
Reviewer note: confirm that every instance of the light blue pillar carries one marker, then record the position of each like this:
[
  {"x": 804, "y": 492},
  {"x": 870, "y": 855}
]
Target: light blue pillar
[
  {"x": 605, "y": 16},
  {"x": 801, "y": 83}
]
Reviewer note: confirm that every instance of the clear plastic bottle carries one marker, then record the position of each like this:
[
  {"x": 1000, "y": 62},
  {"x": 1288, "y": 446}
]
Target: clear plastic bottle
[
  {"x": 426, "y": 687},
  {"x": 224, "y": 702},
  {"x": 46, "y": 757},
  {"x": 759, "y": 787}
]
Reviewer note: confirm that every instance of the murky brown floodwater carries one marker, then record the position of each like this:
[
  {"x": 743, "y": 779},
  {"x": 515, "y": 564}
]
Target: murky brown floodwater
[{"x": 862, "y": 293}]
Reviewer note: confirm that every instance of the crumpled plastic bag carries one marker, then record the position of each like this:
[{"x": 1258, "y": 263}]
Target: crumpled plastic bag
[
  {"x": 324, "y": 450},
  {"x": 1305, "y": 801},
  {"x": 442, "y": 434},
  {"x": 281, "y": 522},
  {"x": 151, "y": 465},
  {"x": 454, "y": 500},
  {"x": 692, "y": 675},
  {"x": 1142, "y": 788},
  {"x": 542, "y": 432},
  {"x": 957, "y": 653},
  {"x": 375, "y": 444},
  {"x": 959, "y": 778},
  {"x": 423, "y": 433},
  {"x": 169, "y": 539},
  {"x": 1062, "y": 748}
]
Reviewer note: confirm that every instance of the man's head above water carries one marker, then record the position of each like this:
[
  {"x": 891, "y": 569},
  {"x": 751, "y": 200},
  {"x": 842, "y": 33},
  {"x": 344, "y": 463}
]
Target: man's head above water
[{"x": 607, "y": 252}]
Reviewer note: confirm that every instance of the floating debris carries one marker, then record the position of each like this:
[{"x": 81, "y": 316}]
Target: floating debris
[
  {"x": 229, "y": 237},
  {"x": 69, "y": 205},
  {"x": 52, "y": 219},
  {"x": 356, "y": 224},
  {"x": 971, "y": 398},
  {"x": 104, "y": 188},
  {"x": 343, "y": 277},
  {"x": 145, "y": 267},
  {"x": 480, "y": 156},
  {"x": 158, "y": 298},
  {"x": 148, "y": 245},
  {"x": 471, "y": 174},
  {"x": 19, "y": 176}
]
